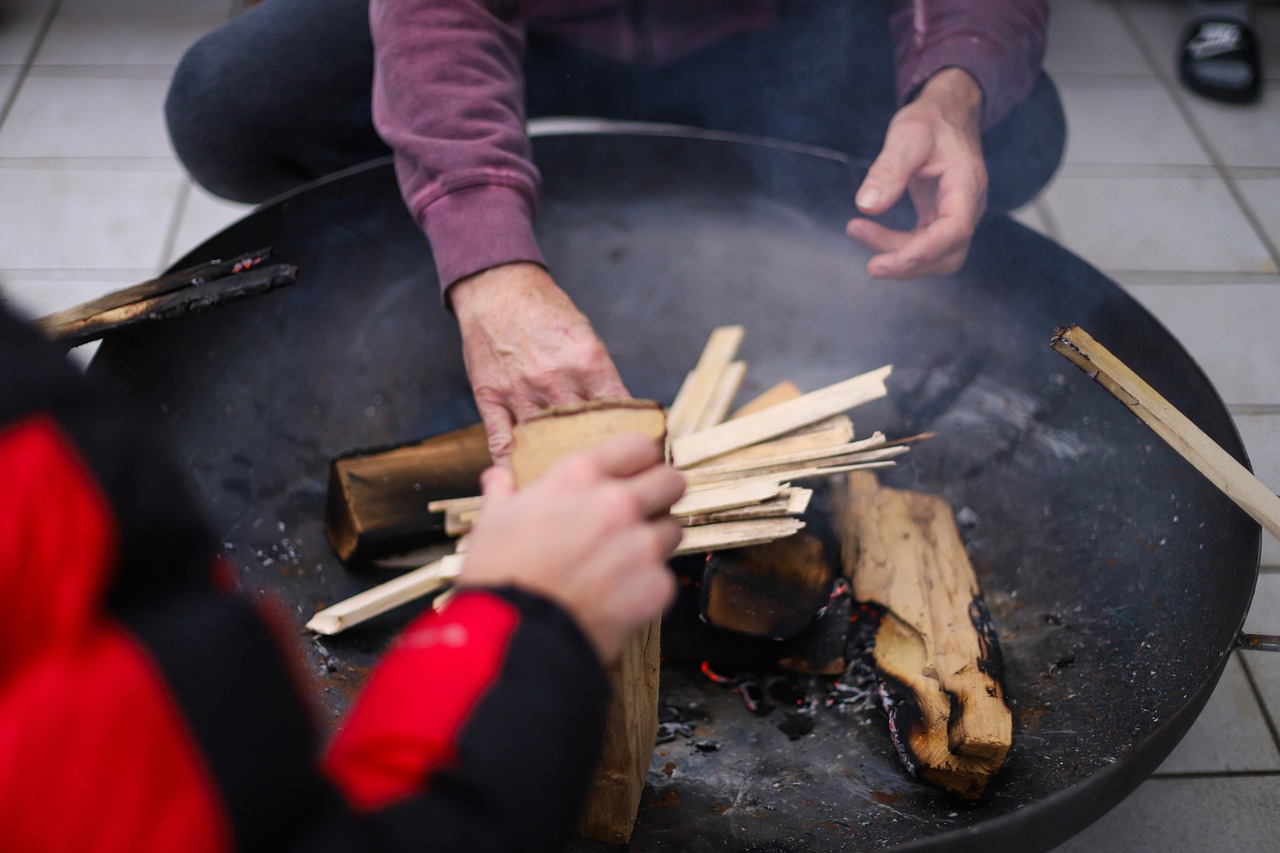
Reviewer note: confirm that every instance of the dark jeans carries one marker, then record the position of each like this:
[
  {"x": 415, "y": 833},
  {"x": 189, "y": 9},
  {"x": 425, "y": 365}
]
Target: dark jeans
[{"x": 281, "y": 94}]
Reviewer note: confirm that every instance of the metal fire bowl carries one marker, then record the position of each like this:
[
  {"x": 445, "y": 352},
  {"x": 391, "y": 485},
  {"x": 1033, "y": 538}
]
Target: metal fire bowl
[{"x": 1117, "y": 577}]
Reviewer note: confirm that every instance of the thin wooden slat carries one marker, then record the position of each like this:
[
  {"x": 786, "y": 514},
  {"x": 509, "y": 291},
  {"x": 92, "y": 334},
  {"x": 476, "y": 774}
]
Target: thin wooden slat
[
  {"x": 838, "y": 455},
  {"x": 387, "y": 596},
  {"x": 736, "y": 534},
  {"x": 725, "y": 497},
  {"x": 791, "y": 501},
  {"x": 1191, "y": 442},
  {"x": 779, "y": 419},
  {"x": 716, "y": 356},
  {"x": 790, "y": 474},
  {"x": 722, "y": 397},
  {"x": 793, "y": 442}
]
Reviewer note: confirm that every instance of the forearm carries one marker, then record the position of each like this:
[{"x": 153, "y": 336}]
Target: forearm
[
  {"x": 479, "y": 729},
  {"x": 448, "y": 99},
  {"x": 1000, "y": 43}
]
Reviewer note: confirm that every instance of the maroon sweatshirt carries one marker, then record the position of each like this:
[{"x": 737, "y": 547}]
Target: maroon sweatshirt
[{"x": 448, "y": 90}]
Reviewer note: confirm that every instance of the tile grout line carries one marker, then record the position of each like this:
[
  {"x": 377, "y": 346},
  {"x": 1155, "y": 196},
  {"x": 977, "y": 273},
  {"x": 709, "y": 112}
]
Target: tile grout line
[
  {"x": 1179, "y": 100},
  {"x": 36, "y": 44},
  {"x": 1257, "y": 695}
]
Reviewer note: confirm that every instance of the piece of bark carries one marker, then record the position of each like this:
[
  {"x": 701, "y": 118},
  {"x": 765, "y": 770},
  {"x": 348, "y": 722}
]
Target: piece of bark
[
  {"x": 549, "y": 436},
  {"x": 773, "y": 590},
  {"x": 631, "y": 717},
  {"x": 379, "y": 500},
  {"x": 780, "y": 419},
  {"x": 935, "y": 651}
]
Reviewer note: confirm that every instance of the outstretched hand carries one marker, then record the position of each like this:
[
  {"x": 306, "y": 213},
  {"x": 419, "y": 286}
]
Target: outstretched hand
[
  {"x": 933, "y": 150},
  {"x": 526, "y": 347},
  {"x": 592, "y": 534}
]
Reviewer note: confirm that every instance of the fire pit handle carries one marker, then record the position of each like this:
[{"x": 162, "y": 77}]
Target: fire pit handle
[{"x": 1258, "y": 642}]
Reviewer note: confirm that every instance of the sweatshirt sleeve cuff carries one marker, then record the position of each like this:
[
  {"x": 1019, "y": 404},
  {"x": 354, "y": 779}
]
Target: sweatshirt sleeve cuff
[
  {"x": 475, "y": 228},
  {"x": 975, "y": 57}
]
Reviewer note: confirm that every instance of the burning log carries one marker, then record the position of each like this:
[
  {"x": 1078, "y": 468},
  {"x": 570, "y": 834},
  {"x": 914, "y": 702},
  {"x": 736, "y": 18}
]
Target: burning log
[
  {"x": 935, "y": 651},
  {"x": 774, "y": 590}
]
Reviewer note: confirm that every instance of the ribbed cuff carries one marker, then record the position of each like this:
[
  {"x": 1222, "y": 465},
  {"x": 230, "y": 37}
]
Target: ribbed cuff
[
  {"x": 475, "y": 228},
  {"x": 974, "y": 56}
]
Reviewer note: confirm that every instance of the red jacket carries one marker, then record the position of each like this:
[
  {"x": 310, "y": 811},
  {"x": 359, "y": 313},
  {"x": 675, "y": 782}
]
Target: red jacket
[
  {"x": 448, "y": 94},
  {"x": 144, "y": 706}
]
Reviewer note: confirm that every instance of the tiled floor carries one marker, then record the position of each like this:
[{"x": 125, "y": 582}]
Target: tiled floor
[{"x": 1175, "y": 197}]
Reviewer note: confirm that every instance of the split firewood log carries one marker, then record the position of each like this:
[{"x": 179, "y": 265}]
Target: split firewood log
[{"x": 935, "y": 651}]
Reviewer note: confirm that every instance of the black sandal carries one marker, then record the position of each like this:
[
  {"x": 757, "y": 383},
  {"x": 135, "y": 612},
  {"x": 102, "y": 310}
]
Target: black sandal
[{"x": 1219, "y": 59}]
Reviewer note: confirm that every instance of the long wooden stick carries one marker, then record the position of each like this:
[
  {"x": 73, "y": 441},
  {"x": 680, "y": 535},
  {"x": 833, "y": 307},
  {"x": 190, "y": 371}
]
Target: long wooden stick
[
  {"x": 779, "y": 419},
  {"x": 1181, "y": 434}
]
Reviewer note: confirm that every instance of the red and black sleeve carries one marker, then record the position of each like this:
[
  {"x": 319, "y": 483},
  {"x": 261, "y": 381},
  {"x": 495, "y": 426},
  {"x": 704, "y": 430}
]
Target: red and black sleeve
[{"x": 146, "y": 706}]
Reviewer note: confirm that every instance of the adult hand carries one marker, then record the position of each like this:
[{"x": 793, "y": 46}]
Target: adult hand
[
  {"x": 592, "y": 534},
  {"x": 526, "y": 347},
  {"x": 933, "y": 149}
]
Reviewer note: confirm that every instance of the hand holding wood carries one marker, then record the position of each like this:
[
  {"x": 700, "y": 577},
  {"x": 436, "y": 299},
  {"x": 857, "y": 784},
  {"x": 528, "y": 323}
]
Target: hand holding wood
[
  {"x": 527, "y": 348},
  {"x": 592, "y": 534}
]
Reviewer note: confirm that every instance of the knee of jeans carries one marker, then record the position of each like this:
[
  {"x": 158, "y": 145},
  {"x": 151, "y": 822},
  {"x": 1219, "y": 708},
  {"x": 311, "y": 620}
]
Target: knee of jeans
[
  {"x": 207, "y": 127},
  {"x": 1024, "y": 151}
]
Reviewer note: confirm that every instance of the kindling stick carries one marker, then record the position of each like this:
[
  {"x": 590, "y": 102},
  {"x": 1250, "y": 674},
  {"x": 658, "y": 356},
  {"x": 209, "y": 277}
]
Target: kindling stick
[
  {"x": 777, "y": 420},
  {"x": 379, "y": 599},
  {"x": 1232, "y": 478}
]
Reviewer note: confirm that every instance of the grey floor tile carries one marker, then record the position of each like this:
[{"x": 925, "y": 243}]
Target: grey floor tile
[
  {"x": 1184, "y": 224},
  {"x": 1230, "y": 735},
  {"x": 1242, "y": 135},
  {"x": 1263, "y": 197},
  {"x": 1228, "y": 328},
  {"x": 1087, "y": 37},
  {"x": 87, "y": 117},
  {"x": 203, "y": 215},
  {"x": 1187, "y": 816},
  {"x": 78, "y": 219},
  {"x": 1261, "y": 436},
  {"x": 1264, "y": 618},
  {"x": 8, "y": 79},
  {"x": 1110, "y": 120},
  {"x": 128, "y": 32},
  {"x": 20, "y": 23},
  {"x": 1158, "y": 24}
]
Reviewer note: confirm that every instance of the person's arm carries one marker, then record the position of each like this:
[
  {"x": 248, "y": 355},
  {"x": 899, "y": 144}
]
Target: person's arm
[
  {"x": 480, "y": 729},
  {"x": 961, "y": 66},
  {"x": 150, "y": 707},
  {"x": 448, "y": 99}
]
